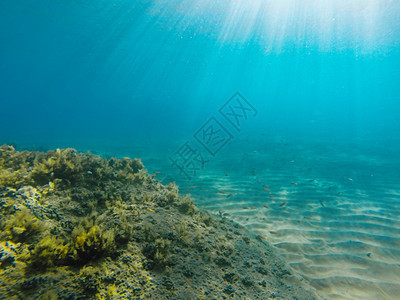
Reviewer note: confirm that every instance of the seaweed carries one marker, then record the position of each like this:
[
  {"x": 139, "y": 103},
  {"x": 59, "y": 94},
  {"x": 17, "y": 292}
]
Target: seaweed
[
  {"x": 168, "y": 196},
  {"x": 63, "y": 164},
  {"x": 50, "y": 251},
  {"x": 186, "y": 205},
  {"x": 171, "y": 192},
  {"x": 20, "y": 226},
  {"x": 91, "y": 242},
  {"x": 162, "y": 255},
  {"x": 206, "y": 218},
  {"x": 157, "y": 253},
  {"x": 13, "y": 167}
]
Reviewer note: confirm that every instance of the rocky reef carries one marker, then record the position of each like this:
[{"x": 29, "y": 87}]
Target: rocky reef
[{"x": 79, "y": 226}]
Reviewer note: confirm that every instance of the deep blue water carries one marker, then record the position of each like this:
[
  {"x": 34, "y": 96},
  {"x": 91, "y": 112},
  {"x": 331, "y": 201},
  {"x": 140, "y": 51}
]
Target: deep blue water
[
  {"x": 320, "y": 81},
  {"x": 121, "y": 69}
]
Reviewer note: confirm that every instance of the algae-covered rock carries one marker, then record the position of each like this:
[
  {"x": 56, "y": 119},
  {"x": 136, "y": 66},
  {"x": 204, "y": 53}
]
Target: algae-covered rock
[{"x": 79, "y": 226}]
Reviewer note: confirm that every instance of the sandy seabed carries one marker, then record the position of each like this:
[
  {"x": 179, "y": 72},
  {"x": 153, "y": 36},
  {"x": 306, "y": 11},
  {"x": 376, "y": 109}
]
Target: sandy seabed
[{"x": 330, "y": 211}]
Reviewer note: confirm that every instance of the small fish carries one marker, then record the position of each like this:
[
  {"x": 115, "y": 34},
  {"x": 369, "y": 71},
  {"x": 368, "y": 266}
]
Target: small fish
[
  {"x": 156, "y": 172},
  {"x": 294, "y": 183},
  {"x": 266, "y": 206},
  {"x": 150, "y": 210},
  {"x": 369, "y": 254},
  {"x": 253, "y": 207},
  {"x": 271, "y": 196},
  {"x": 222, "y": 192},
  {"x": 262, "y": 237},
  {"x": 192, "y": 187},
  {"x": 226, "y": 174},
  {"x": 265, "y": 189},
  {"x": 266, "y": 186},
  {"x": 283, "y": 204},
  {"x": 350, "y": 179},
  {"x": 246, "y": 207},
  {"x": 274, "y": 232},
  {"x": 230, "y": 195},
  {"x": 322, "y": 203}
]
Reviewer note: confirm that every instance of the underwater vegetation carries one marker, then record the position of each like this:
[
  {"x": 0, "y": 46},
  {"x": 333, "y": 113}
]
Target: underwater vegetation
[{"x": 79, "y": 226}]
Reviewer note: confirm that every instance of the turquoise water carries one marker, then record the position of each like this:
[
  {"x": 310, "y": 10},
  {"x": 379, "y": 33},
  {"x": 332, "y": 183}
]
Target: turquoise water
[{"x": 311, "y": 158}]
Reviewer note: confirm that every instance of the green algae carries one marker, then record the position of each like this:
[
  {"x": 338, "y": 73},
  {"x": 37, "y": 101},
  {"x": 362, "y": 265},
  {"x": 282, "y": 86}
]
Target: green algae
[
  {"x": 64, "y": 212},
  {"x": 49, "y": 251},
  {"x": 91, "y": 242},
  {"x": 20, "y": 225},
  {"x": 186, "y": 205}
]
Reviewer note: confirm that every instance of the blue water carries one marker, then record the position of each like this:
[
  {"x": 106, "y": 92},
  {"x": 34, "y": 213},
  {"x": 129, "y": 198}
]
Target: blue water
[{"x": 141, "y": 78}]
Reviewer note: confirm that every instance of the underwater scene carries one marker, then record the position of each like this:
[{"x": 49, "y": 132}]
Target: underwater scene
[{"x": 200, "y": 149}]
